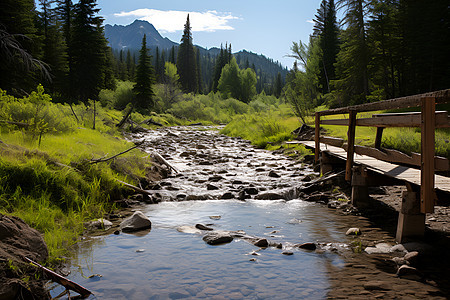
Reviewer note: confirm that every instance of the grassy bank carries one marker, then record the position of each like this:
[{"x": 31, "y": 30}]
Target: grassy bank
[{"x": 46, "y": 174}]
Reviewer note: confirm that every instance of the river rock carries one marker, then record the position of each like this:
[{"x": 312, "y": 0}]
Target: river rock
[
  {"x": 227, "y": 195},
  {"x": 211, "y": 187},
  {"x": 400, "y": 261},
  {"x": 263, "y": 243},
  {"x": 287, "y": 252},
  {"x": 217, "y": 237},
  {"x": 307, "y": 246},
  {"x": 215, "y": 178},
  {"x": 412, "y": 257},
  {"x": 274, "y": 174},
  {"x": 251, "y": 191},
  {"x": 353, "y": 231},
  {"x": 409, "y": 273},
  {"x": 138, "y": 221},
  {"x": 189, "y": 229},
  {"x": 381, "y": 248},
  {"x": 269, "y": 196},
  {"x": 100, "y": 224},
  {"x": 203, "y": 227}
]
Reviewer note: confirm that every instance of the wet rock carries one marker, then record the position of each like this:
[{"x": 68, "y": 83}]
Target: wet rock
[
  {"x": 353, "y": 231},
  {"x": 242, "y": 196},
  {"x": 237, "y": 182},
  {"x": 307, "y": 246},
  {"x": 100, "y": 224},
  {"x": 400, "y": 261},
  {"x": 197, "y": 197},
  {"x": 251, "y": 191},
  {"x": 269, "y": 196},
  {"x": 138, "y": 221},
  {"x": 287, "y": 252},
  {"x": 260, "y": 170},
  {"x": 412, "y": 257},
  {"x": 227, "y": 195},
  {"x": 263, "y": 243},
  {"x": 217, "y": 237},
  {"x": 381, "y": 248},
  {"x": 211, "y": 187},
  {"x": 308, "y": 159},
  {"x": 201, "y": 147},
  {"x": 215, "y": 217},
  {"x": 307, "y": 178},
  {"x": 408, "y": 272},
  {"x": 398, "y": 248},
  {"x": 203, "y": 227},
  {"x": 181, "y": 196},
  {"x": 188, "y": 229},
  {"x": 274, "y": 174},
  {"x": 215, "y": 178},
  {"x": 333, "y": 204},
  {"x": 377, "y": 286}
]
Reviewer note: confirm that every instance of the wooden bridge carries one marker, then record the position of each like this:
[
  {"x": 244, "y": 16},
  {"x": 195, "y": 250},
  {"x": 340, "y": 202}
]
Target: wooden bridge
[{"x": 421, "y": 173}]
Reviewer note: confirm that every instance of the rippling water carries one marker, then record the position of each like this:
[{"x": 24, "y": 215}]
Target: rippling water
[{"x": 167, "y": 264}]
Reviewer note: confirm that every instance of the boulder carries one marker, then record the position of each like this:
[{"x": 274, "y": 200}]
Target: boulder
[
  {"x": 269, "y": 196},
  {"x": 227, "y": 195},
  {"x": 100, "y": 224},
  {"x": 217, "y": 238},
  {"x": 138, "y": 221}
]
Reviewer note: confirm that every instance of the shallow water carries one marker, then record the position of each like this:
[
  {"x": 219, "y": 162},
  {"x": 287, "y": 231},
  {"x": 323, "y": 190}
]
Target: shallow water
[{"x": 167, "y": 264}]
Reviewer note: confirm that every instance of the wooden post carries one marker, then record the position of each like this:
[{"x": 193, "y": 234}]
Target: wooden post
[
  {"x": 360, "y": 189},
  {"x": 378, "y": 137},
  {"x": 317, "y": 137},
  {"x": 411, "y": 222},
  {"x": 326, "y": 163},
  {"x": 351, "y": 144},
  {"x": 427, "y": 193}
]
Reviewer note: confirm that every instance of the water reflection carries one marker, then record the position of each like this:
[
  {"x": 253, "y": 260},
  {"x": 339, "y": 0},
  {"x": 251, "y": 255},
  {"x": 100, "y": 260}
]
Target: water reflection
[{"x": 168, "y": 264}]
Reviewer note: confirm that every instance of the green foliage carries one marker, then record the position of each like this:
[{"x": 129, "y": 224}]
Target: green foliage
[
  {"x": 236, "y": 83},
  {"x": 118, "y": 98}
]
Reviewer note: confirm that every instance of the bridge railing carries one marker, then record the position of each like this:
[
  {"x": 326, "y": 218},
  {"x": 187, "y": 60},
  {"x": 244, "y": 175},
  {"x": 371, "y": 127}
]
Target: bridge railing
[{"x": 428, "y": 119}]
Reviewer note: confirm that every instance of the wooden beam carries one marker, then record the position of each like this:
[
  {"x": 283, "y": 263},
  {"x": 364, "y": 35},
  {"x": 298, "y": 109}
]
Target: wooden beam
[
  {"x": 317, "y": 137},
  {"x": 333, "y": 141},
  {"x": 351, "y": 144},
  {"x": 378, "y": 137},
  {"x": 393, "y": 120},
  {"x": 427, "y": 194},
  {"x": 442, "y": 96}
]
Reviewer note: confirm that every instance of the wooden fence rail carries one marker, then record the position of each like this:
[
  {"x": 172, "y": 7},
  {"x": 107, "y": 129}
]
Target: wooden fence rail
[{"x": 428, "y": 119}]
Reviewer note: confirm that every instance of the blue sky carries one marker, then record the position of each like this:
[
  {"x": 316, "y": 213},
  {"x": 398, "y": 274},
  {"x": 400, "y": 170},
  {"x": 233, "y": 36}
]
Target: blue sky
[{"x": 264, "y": 27}]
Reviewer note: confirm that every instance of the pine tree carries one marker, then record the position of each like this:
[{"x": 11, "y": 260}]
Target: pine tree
[
  {"x": 278, "y": 86},
  {"x": 145, "y": 78},
  {"x": 88, "y": 51},
  {"x": 172, "y": 58},
  {"x": 186, "y": 64},
  {"x": 131, "y": 66}
]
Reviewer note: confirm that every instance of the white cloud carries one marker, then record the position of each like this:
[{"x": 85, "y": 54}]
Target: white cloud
[
  {"x": 310, "y": 21},
  {"x": 172, "y": 20}
]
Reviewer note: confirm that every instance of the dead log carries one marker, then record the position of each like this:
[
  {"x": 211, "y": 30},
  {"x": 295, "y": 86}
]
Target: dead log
[
  {"x": 22, "y": 124},
  {"x": 161, "y": 160},
  {"x": 124, "y": 119},
  {"x": 94, "y": 161},
  {"x": 151, "y": 121},
  {"x": 68, "y": 284},
  {"x": 133, "y": 187}
]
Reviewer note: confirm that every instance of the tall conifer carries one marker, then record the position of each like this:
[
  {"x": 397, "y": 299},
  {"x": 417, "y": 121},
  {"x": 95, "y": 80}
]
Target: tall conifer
[
  {"x": 186, "y": 62},
  {"x": 145, "y": 78}
]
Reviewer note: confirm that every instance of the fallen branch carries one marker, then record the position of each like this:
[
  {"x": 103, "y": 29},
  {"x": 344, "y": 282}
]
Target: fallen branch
[
  {"x": 15, "y": 123},
  {"x": 161, "y": 160},
  {"x": 137, "y": 189},
  {"x": 125, "y": 117},
  {"x": 94, "y": 161},
  {"x": 68, "y": 284}
]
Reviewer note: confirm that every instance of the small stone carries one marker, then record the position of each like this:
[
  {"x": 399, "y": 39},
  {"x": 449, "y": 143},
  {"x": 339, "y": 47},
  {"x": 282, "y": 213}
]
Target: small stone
[
  {"x": 254, "y": 253},
  {"x": 287, "y": 252},
  {"x": 353, "y": 231},
  {"x": 252, "y": 259},
  {"x": 227, "y": 195},
  {"x": 308, "y": 246},
  {"x": 140, "y": 250},
  {"x": 412, "y": 257},
  {"x": 117, "y": 232},
  {"x": 211, "y": 187},
  {"x": 400, "y": 261},
  {"x": 399, "y": 248},
  {"x": 263, "y": 243},
  {"x": 215, "y": 178},
  {"x": 408, "y": 272},
  {"x": 216, "y": 238},
  {"x": 274, "y": 174},
  {"x": 251, "y": 191},
  {"x": 279, "y": 246},
  {"x": 203, "y": 227},
  {"x": 215, "y": 217},
  {"x": 269, "y": 196},
  {"x": 377, "y": 285}
]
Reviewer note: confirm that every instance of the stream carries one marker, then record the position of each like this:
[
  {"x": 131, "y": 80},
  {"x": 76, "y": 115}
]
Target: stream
[{"x": 224, "y": 183}]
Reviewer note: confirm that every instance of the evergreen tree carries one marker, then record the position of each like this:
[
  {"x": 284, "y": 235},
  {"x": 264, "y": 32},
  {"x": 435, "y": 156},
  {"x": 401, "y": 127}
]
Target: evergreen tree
[
  {"x": 278, "y": 86},
  {"x": 158, "y": 66},
  {"x": 172, "y": 58},
  {"x": 186, "y": 64},
  {"x": 88, "y": 51},
  {"x": 199, "y": 70},
  {"x": 131, "y": 66},
  {"x": 145, "y": 78},
  {"x": 352, "y": 84}
]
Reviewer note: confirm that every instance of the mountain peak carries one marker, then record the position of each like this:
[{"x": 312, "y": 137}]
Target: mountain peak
[{"x": 130, "y": 36}]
